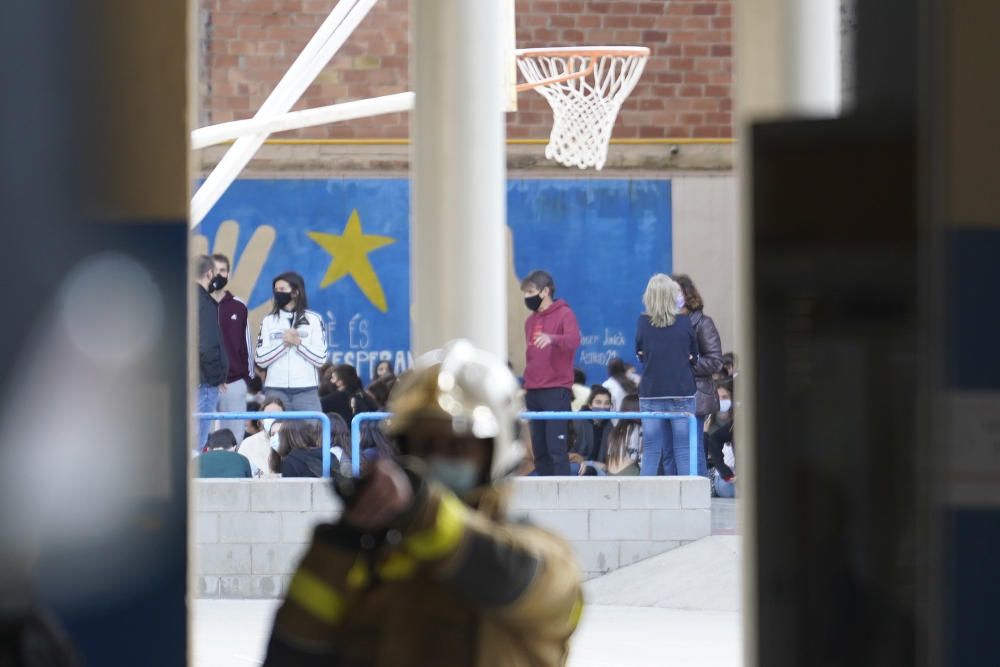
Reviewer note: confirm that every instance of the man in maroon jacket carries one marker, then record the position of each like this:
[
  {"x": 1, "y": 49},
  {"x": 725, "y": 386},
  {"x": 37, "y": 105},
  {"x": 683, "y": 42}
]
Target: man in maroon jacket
[
  {"x": 236, "y": 341},
  {"x": 553, "y": 337}
]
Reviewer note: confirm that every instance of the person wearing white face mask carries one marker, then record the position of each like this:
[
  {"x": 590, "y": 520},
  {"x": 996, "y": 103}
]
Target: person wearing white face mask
[
  {"x": 720, "y": 445},
  {"x": 257, "y": 447}
]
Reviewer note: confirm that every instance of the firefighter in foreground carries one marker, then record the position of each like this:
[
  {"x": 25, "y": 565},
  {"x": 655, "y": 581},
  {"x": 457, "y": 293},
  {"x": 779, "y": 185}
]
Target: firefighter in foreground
[{"x": 423, "y": 570}]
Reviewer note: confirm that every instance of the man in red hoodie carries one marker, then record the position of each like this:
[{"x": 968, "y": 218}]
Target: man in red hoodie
[{"x": 553, "y": 337}]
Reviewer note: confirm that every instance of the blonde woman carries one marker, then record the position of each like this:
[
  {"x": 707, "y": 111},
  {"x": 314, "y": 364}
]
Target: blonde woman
[{"x": 666, "y": 345}]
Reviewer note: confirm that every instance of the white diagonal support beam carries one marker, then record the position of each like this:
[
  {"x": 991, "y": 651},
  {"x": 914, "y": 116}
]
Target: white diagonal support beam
[
  {"x": 295, "y": 120},
  {"x": 332, "y": 34}
]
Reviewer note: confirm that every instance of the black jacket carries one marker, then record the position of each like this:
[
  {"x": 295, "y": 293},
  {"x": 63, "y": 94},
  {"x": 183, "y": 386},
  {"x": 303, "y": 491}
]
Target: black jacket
[
  {"x": 709, "y": 362},
  {"x": 305, "y": 463},
  {"x": 213, "y": 366},
  {"x": 347, "y": 405},
  {"x": 583, "y": 440},
  {"x": 718, "y": 435}
]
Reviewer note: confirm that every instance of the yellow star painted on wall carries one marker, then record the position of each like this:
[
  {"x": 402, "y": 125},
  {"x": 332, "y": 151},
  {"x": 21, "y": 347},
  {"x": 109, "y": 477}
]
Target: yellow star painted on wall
[{"x": 350, "y": 257}]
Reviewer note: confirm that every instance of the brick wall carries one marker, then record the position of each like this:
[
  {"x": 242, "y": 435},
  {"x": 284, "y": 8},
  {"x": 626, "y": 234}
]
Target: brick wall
[{"x": 685, "y": 92}]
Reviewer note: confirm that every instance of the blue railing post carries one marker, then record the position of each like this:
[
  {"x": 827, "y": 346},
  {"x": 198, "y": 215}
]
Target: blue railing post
[
  {"x": 281, "y": 416},
  {"x": 356, "y": 436}
]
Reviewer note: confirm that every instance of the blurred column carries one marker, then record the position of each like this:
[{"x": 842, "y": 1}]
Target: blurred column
[
  {"x": 459, "y": 187},
  {"x": 94, "y": 187}
]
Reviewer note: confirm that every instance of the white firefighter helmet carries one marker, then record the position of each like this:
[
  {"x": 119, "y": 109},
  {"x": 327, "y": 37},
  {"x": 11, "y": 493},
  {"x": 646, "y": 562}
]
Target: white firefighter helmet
[{"x": 473, "y": 390}]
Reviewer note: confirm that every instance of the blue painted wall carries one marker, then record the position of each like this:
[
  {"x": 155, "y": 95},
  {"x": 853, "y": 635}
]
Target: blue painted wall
[{"x": 600, "y": 239}]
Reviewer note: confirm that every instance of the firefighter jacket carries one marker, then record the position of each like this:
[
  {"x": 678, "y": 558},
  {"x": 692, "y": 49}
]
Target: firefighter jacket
[{"x": 449, "y": 586}]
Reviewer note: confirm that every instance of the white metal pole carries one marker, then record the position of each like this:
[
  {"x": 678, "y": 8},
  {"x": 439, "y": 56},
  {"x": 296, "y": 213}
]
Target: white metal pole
[
  {"x": 294, "y": 120},
  {"x": 815, "y": 58},
  {"x": 335, "y": 30},
  {"x": 459, "y": 176}
]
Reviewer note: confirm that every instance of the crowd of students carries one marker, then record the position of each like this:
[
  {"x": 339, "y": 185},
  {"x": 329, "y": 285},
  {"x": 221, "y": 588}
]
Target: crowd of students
[{"x": 678, "y": 347}]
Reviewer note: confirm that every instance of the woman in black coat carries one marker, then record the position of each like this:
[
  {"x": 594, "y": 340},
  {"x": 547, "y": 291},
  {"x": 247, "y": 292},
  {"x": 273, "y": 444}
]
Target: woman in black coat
[{"x": 709, "y": 359}]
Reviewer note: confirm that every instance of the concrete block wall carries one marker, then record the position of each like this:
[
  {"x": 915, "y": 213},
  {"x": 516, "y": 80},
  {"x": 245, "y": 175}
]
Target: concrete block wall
[
  {"x": 249, "y": 534},
  {"x": 616, "y": 521}
]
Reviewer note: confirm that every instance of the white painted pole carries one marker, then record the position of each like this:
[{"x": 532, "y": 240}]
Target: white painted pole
[
  {"x": 331, "y": 35},
  {"x": 815, "y": 58},
  {"x": 294, "y": 120},
  {"x": 459, "y": 176}
]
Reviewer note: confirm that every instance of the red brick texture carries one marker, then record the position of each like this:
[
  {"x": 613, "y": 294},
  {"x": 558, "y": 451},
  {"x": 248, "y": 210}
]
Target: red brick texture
[{"x": 686, "y": 90}]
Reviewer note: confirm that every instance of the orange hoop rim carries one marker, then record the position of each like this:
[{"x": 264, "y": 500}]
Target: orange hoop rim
[{"x": 591, "y": 52}]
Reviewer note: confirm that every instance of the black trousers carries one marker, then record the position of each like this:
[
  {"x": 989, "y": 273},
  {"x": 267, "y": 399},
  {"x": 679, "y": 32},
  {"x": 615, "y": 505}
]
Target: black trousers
[{"x": 548, "y": 438}]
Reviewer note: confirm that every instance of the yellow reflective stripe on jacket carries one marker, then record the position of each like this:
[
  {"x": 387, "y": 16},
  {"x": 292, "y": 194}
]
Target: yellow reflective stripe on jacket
[
  {"x": 397, "y": 566},
  {"x": 358, "y": 576},
  {"x": 442, "y": 538},
  {"x": 576, "y": 613},
  {"x": 317, "y": 597}
]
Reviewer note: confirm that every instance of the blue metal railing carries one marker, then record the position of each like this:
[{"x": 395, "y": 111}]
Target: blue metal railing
[
  {"x": 379, "y": 416},
  {"x": 548, "y": 416},
  {"x": 356, "y": 436},
  {"x": 281, "y": 416}
]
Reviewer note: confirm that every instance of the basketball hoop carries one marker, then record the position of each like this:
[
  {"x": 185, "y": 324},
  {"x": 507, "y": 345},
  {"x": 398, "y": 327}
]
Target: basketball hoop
[{"x": 585, "y": 86}]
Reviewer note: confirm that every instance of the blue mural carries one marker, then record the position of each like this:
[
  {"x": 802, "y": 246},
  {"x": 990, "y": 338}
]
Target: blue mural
[{"x": 349, "y": 238}]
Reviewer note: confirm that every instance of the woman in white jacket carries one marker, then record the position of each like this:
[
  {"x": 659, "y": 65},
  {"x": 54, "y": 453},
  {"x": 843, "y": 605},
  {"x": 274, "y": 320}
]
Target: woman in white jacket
[{"x": 292, "y": 346}]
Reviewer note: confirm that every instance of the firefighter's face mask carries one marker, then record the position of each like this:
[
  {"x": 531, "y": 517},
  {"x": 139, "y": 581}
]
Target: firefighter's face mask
[
  {"x": 459, "y": 475},
  {"x": 459, "y": 462}
]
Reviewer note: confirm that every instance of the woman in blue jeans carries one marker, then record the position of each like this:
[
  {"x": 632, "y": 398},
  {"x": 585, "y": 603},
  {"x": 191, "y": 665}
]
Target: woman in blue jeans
[{"x": 666, "y": 345}]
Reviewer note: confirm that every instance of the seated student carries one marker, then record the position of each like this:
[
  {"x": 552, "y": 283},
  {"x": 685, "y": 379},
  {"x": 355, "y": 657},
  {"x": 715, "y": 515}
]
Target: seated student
[
  {"x": 720, "y": 446},
  {"x": 620, "y": 382},
  {"x": 349, "y": 397},
  {"x": 340, "y": 442},
  {"x": 625, "y": 441},
  {"x": 380, "y": 389},
  {"x": 299, "y": 453},
  {"x": 589, "y": 439},
  {"x": 221, "y": 459},
  {"x": 374, "y": 443},
  {"x": 257, "y": 447}
]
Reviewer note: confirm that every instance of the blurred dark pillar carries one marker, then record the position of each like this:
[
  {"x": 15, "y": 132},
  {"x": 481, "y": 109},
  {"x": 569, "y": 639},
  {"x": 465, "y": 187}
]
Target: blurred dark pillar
[
  {"x": 838, "y": 299},
  {"x": 874, "y": 241},
  {"x": 93, "y": 158}
]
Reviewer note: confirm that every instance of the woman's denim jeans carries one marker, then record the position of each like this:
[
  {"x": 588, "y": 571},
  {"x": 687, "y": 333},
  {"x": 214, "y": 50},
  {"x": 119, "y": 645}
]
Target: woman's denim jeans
[
  {"x": 725, "y": 489},
  {"x": 665, "y": 445}
]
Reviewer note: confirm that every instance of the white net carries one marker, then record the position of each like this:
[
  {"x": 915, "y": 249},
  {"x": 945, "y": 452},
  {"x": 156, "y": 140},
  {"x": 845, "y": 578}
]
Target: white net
[{"x": 586, "y": 89}]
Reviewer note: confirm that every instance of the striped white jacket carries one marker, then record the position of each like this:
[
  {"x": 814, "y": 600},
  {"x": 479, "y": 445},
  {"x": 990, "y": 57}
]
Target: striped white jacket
[{"x": 291, "y": 367}]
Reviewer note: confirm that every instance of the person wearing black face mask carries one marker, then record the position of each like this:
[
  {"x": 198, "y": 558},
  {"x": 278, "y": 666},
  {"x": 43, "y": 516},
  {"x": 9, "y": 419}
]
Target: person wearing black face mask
[
  {"x": 553, "y": 336},
  {"x": 233, "y": 324},
  {"x": 213, "y": 366},
  {"x": 292, "y": 346}
]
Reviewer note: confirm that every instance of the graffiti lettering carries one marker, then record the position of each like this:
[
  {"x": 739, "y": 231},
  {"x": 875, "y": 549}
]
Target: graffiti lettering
[
  {"x": 358, "y": 336},
  {"x": 600, "y": 358},
  {"x": 613, "y": 337},
  {"x": 366, "y": 361}
]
